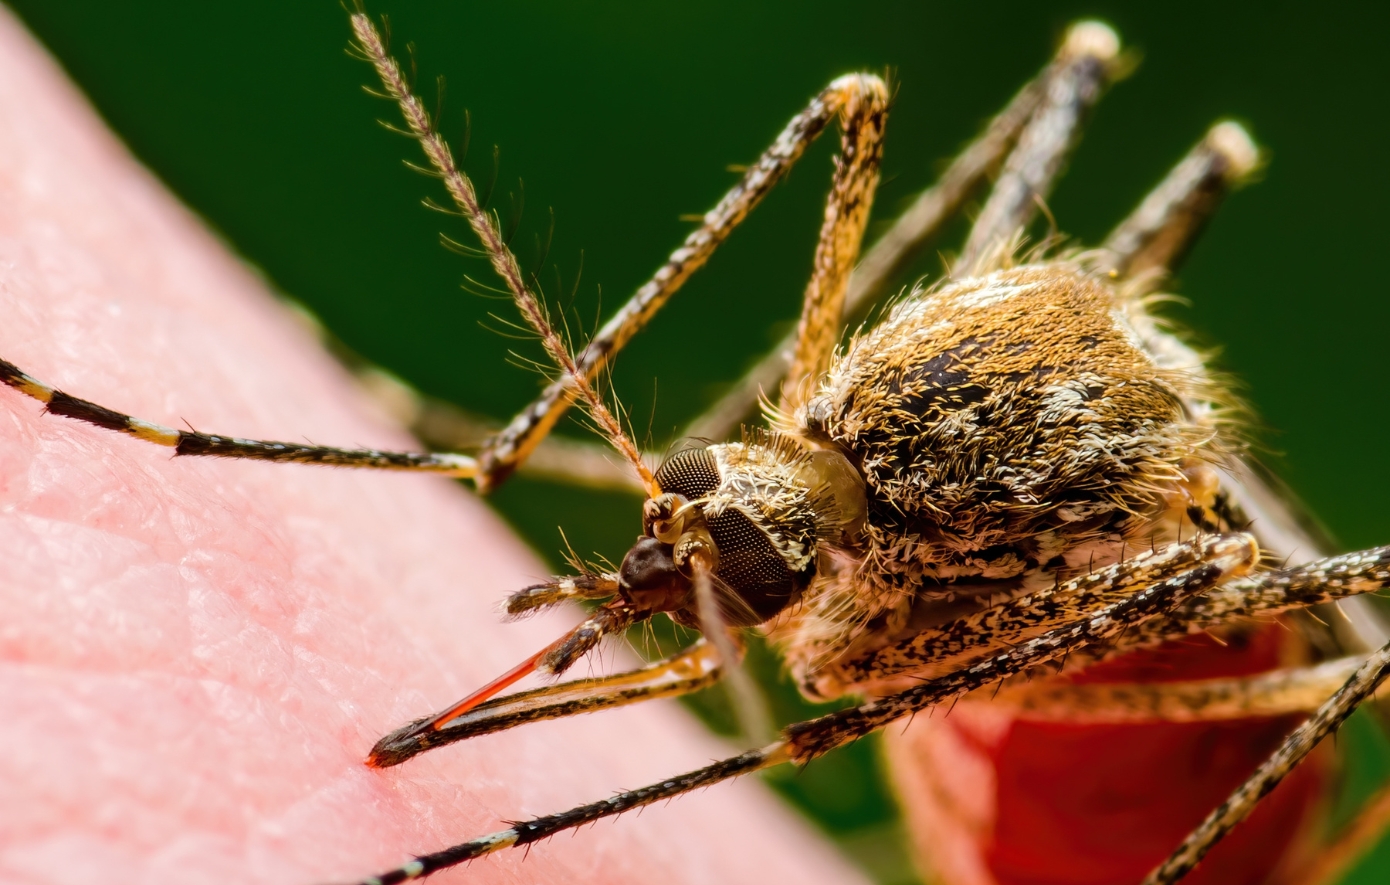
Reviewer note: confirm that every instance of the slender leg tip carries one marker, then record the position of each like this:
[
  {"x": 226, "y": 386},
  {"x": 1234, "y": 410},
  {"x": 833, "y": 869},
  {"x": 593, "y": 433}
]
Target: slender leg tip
[
  {"x": 1233, "y": 141},
  {"x": 1091, "y": 38},
  {"x": 861, "y": 82}
]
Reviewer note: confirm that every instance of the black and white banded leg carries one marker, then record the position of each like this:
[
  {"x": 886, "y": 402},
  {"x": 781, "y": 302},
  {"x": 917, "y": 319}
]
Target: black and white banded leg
[
  {"x": 1088, "y": 47},
  {"x": 1036, "y": 161},
  {"x": 1168, "y": 584},
  {"x": 1294, "y": 750},
  {"x": 192, "y": 442},
  {"x": 1162, "y": 581}
]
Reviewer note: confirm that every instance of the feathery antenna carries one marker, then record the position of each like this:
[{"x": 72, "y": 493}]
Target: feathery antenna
[{"x": 485, "y": 226}]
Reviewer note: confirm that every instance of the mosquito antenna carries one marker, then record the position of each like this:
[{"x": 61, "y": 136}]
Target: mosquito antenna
[
  {"x": 430, "y": 204},
  {"x": 485, "y": 227},
  {"x": 414, "y": 67},
  {"x": 385, "y": 26},
  {"x": 543, "y": 251},
  {"x": 456, "y": 247},
  {"x": 439, "y": 104}
]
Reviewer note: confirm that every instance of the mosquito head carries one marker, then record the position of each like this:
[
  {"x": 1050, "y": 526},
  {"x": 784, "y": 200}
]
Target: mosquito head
[
  {"x": 759, "y": 511},
  {"x": 651, "y": 581}
]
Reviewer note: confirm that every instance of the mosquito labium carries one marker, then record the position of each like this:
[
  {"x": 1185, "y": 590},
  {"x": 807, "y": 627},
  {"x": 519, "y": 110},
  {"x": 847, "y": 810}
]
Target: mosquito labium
[{"x": 1014, "y": 468}]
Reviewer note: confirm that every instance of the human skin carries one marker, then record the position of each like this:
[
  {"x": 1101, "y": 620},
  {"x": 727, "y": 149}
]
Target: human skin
[{"x": 195, "y": 655}]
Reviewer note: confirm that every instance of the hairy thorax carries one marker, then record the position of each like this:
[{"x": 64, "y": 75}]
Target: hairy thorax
[{"x": 1012, "y": 430}]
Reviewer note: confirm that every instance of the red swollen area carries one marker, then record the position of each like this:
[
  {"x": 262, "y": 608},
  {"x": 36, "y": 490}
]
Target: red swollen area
[{"x": 1034, "y": 803}]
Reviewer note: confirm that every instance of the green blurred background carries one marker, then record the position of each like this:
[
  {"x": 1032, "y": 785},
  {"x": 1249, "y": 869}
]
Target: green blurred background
[{"x": 624, "y": 116}]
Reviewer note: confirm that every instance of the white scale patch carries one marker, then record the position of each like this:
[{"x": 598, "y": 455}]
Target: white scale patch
[{"x": 988, "y": 296}]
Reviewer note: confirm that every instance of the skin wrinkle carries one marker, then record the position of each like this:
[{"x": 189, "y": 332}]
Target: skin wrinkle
[{"x": 196, "y": 655}]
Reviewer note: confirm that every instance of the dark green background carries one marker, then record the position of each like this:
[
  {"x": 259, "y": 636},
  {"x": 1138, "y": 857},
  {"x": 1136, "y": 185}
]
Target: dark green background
[{"x": 623, "y": 116}]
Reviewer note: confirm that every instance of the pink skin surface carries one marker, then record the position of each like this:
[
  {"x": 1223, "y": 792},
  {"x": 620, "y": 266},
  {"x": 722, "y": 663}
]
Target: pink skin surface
[{"x": 195, "y": 655}]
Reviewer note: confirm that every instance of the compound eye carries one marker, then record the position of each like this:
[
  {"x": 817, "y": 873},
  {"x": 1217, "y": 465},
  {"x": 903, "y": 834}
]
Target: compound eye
[
  {"x": 748, "y": 562},
  {"x": 684, "y": 477},
  {"x": 751, "y": 566},
  {"x": 692, "y": 473}
]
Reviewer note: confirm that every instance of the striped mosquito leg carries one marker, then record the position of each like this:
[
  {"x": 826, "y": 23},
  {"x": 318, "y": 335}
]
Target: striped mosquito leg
[
  {"x": 190, "y": 442},
  {"x": 893, "y": 252},
  {"x": 1287, "y": 535},
  {"x": 1268, "y": 593},
  {"x": 1276, "y": 693},
  {"x": 1036, "y": 162},
  {"x": 958, "y": 643},
  {"x": 512, "y": 446},
  {"x": 863, "y": 100},
  {"x": 1159, "y": 233},
  {"x": 1168, "y": 581},
  {"x": 954, "y": 644},
  {"x": 539, "y": 828},
  {"x": 692, "y": 669},
  {"x": 1295, "y": 748},
  {"x": 1086, "y": 605}
]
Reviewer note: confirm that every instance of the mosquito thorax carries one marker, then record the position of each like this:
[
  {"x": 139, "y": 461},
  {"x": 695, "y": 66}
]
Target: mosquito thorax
[
  {"x": 1005, "y": 421},
  {"x": 1012, "y": 429}
]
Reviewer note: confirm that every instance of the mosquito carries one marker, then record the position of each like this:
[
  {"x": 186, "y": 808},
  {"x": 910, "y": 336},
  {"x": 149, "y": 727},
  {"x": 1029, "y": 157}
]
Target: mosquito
[{"x": 1015, "y": 474}]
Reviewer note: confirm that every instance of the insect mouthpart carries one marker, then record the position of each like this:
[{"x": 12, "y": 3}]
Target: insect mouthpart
[{"x": 650, "y": 579}]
